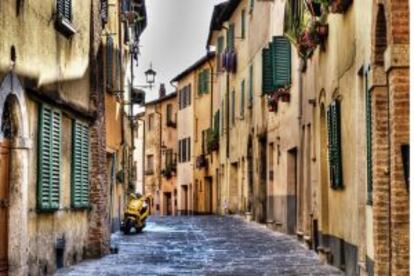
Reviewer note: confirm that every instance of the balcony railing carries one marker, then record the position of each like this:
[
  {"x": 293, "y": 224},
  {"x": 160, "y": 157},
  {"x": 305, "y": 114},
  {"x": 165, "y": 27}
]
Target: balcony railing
[{"x": 169, "y": 171}]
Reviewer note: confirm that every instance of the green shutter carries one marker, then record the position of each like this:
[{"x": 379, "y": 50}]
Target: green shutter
[
  {"x": 242, "y": 91},
  {"x": 109, "y": 61},
  {"x": 80, "y": 165},
  {"x": 64, "y": 9},
  {"x": 200, "y": 83},
  {"x": 206, "y": 80},
  {"x": 217, "y": 122},
  {"x": 281, "y": 61},
  {"x": 243, "y": 24},
  {"x": 369, "y": 143},
  {"x": 251, "y": 85},
  {"x": 335, "y": 151},
  {"x": 233, "y": 107},
  {"x": 230, "y": 37},
  {"x": 49, "y": 159},
  {"x": 267, "y": 81}
]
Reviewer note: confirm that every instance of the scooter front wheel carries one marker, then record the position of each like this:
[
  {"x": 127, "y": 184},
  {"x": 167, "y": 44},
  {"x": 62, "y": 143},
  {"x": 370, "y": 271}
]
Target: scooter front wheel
[{"x": 128, "y": 226}]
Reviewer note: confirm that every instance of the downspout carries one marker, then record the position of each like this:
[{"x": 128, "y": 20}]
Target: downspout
[
  {"x": 299, "y": 166},
  {"x": 160, "y": 152},
  {"x": 143, "y": 154}
]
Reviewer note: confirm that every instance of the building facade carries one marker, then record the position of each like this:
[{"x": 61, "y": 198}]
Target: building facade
[
  {"x": 54, "y": 209},
  {"x": 161, "y": 153}
]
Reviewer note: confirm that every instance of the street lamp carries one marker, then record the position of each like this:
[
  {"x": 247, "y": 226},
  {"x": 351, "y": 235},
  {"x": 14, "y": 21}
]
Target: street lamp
[
  {"x": 150, "y": 75},
  {"x": 150, "y": 78}
]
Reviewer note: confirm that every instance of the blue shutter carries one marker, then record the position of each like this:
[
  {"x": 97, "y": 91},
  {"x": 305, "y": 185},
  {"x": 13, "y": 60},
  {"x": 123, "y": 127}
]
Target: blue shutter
[{"x": 281, "y": 62}]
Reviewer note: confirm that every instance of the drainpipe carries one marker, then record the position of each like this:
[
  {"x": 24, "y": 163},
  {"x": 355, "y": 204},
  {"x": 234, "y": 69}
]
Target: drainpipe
[
  {"x": 143, "y": 154},
  {"x": 160, "y": 153},
  {"x": 299, "y": 166}
]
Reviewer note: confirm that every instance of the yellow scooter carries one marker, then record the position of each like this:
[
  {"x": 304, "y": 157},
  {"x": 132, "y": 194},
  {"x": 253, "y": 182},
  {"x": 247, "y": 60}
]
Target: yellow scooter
[{"x": 136, "y": 213}]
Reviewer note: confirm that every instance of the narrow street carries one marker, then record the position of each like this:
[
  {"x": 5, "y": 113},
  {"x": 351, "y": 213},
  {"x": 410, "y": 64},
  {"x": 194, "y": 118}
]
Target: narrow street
[{"x": 205, "y": 245}]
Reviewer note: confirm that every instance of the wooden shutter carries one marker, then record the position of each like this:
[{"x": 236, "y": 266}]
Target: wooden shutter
[
  {"x": 230, "y": 37},
  {"x": 206, "y": 80},
  {"x": 49, "y": 159},
  {"x": 251, "y": 85},
  {"x": 189, "y": 149},
  {"x": 104, "y": 10},
  {"x": 109, "y": 62},
  {"x": 80, "y": 165},
  {"x": 335, "y": 151},
  {"x": 189, "y": 95},
  {"x": 217, "y": 122},
  {"x": 243, "y": 24},
  {"x": 233, "y": 107},
  {"x": 64, "y": 9},
  {"x": 200, "y": 83},
  {"x": 281, "y": 62},
  {"x": 368, "y": 119},
  {"x": 242, "y": 91},
  {"x": 267, "y": 74}
]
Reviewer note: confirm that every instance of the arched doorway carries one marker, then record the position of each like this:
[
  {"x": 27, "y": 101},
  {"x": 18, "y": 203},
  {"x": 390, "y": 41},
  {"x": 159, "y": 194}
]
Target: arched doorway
[{"x": 14, "y": 145}]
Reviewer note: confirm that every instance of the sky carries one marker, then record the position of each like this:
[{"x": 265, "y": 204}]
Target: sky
[{"x": 174, "y": 39}]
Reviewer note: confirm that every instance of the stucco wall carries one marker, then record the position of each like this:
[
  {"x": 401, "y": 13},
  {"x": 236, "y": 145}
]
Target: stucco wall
[
  {"x": 46, "y": 228},
  {"x": 46, "y": 59}
]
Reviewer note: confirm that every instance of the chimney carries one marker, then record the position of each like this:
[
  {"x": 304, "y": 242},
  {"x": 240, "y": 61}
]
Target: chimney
[{"x": 162, "y": 90}]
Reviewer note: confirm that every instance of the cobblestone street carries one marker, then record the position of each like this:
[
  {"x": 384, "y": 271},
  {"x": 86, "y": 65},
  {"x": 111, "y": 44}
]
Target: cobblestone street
[{"x": 206, "y": 245}]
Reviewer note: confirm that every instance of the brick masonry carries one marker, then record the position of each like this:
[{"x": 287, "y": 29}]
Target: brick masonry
[
  {"x": 98, "y": 233},
  {"x": 390, "y": 132}
]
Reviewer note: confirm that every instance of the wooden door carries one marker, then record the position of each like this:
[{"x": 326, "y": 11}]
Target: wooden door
[
  {"x": 4, "y": 191},
  {"x": 208, "y": 195}
]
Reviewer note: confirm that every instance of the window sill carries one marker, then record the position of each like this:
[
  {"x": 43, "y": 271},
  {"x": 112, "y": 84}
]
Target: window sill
[{"x": 65, "y": 26}]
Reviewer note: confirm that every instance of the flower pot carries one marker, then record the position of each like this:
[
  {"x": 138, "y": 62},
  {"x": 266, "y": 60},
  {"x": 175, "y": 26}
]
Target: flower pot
[
  {"x": 322, "y": 30},
  {"x": 339, "y": 6},
  {"x": 315, "y": 8}
]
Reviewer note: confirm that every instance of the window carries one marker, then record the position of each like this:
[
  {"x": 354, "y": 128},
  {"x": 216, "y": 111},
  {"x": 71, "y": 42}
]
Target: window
[
  {"x": 64, "y": 9},
  {"x": 293, "y": 16},
  {"x": 222, "y": 117},
  {"x": 242, "y": 88},
  {"x": 189, "y": 149},
  {"x": 243, "y": 24},
  {"x": 189, "y": 95},
  {"x": 109, "y": 61},
  {"x": 230, "y": 37},
  {"x": 49, "y": 159},
  {"x": 251, "y": 86},
  {"x": 150, "y": 163},
  {"x": 168, "y": 157},
  {"x": 104, "y": 11},
  {"x": 185, "y": 97},
  {"x": 217, "y": 121},
  {"x": 220, "y": 49},
  {"x": 63, "y": 19},
  {"x": 203, "y": 82},
  {"x": 251, "y": 5},
  {"x": 233, "y": 107},
  {"x": 368, "y": 115},
  {"x": 169, "y": 113},
  {"x": 334, "y": 138},
  {"x": 151, "y": 122},
  {"x": 80, "y": 165},
  {"x": 276, "y": 62}
]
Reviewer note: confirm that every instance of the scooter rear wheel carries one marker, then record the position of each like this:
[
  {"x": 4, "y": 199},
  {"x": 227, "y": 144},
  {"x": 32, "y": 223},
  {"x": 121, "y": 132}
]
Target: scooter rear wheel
[{"x": 128, "y": 226}]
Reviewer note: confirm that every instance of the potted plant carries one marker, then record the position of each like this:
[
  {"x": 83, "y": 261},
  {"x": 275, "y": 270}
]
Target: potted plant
[
  {"x": 272, "y": 102},
  {"x": 339, "y": 6}
]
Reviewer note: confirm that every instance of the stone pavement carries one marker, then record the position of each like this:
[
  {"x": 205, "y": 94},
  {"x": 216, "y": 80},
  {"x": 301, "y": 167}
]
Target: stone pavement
[{"x": 205, "y": 245}]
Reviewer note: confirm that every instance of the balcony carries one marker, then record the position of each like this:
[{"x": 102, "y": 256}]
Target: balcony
[
  {"x": 171, "y": 123},
  {"x": 201, "y": 161},
  {"x": 213, "y": 141},
  {"x": 169, "y": 171},
  {"x": 149, "y": 172}
]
